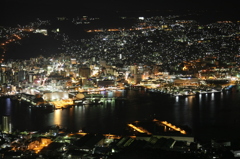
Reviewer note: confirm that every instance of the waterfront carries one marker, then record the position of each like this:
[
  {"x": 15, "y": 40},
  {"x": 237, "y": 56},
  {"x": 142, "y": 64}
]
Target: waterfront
[{"x": 213, "y": 115}]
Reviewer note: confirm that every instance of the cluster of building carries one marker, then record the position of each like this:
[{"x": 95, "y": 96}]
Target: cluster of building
[
  {"x": 56, "y": 143},
  {"x": 153, "y": 52}
]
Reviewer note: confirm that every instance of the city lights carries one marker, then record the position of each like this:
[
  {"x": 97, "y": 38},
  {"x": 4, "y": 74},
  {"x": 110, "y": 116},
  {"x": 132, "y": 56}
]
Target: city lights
[{"x": 81, "y": 68}]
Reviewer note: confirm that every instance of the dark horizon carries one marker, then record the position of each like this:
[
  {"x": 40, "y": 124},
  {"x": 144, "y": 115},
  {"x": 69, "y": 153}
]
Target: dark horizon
[{"x": 16, "y": 11}]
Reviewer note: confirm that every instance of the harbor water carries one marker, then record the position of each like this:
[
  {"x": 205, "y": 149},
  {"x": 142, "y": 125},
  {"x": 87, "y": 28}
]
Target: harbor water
[{"x": 212, "y": 115}]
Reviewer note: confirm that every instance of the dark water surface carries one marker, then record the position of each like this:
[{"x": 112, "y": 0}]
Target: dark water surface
[{"x": 208, "y": 115}]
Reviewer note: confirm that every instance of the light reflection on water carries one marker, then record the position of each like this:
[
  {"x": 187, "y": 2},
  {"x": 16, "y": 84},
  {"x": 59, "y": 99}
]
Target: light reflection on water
[
  {"x": 203, "y": 113},
  {"x": 8, "y": 106},
  {"x": 57, "y": 117}
]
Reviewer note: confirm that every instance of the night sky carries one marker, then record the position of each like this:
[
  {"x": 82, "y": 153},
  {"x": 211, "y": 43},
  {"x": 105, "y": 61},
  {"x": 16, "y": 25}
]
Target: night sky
[{"x": 58, "y": 7}]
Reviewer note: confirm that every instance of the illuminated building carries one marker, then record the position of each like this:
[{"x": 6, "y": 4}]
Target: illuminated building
[
  {"x": 85, "y": 73},
  {"x": 3, "y": 77},
  {"x": 55, "y": 96},
  {"x": 73, "y": 61},
  {"x": 22, "y": 75},
  {"x": 6, "y": 124},
  {"x": 42, "y": 31}
]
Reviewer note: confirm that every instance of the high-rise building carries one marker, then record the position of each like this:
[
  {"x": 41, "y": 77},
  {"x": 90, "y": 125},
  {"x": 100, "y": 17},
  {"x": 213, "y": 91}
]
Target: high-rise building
[
  {"x": 22, "y": 75},
  {"x": 84, "y": 71},
  {"x": 6, "y": 124}
]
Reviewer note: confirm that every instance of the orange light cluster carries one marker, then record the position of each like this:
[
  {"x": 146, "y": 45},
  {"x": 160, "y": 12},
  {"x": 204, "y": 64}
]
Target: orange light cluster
[
  {"x": 62, "y": 103},
  {"x": 139, "y": 129},
  {"x": 173, "y": 127},
  {"x": 136, "y": 128}
]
